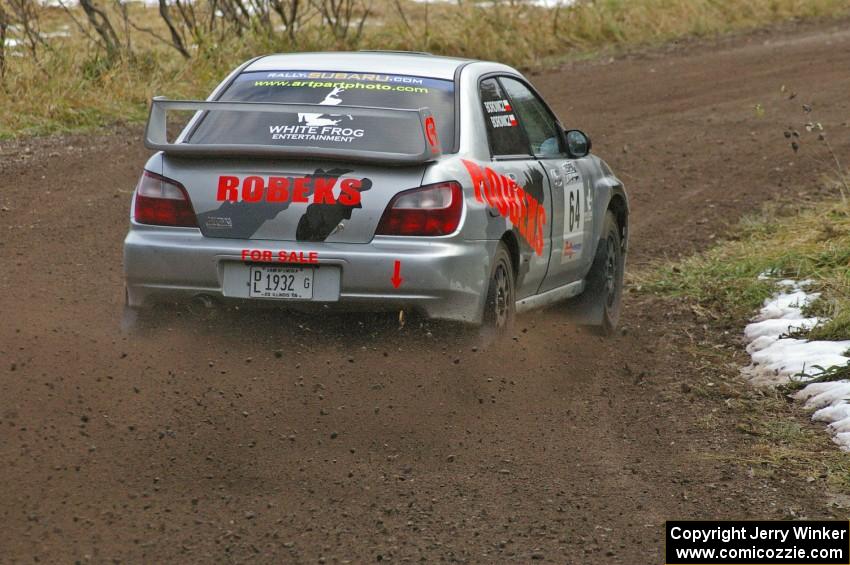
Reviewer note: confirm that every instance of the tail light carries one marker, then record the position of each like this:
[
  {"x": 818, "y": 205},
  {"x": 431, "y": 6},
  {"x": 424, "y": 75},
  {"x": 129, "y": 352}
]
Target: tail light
[
  {"x": 163, "y": 202},
  {"x": 430, "y": 211}
]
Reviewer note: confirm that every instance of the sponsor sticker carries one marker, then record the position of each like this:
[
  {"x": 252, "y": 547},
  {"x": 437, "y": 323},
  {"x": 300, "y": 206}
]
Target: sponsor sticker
[
  {"x": 431, "y": 134},
  {"x": 319, "y": 126},
  {"x": 574, "y": 213},
  {"x": 570, "y": 249},
  {"x": 315, "y": 133},
  {"x": 218, "y": 223},
  {"x": 304, "y": 189},
  {"x": 336, "y": 75}
]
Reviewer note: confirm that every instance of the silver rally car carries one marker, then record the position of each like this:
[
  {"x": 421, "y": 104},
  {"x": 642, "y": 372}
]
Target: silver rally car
[{"x": 384, "y": 180}]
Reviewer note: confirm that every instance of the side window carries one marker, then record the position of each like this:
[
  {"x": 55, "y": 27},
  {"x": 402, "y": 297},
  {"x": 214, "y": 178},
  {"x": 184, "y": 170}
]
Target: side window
[
  {"x": 538, "y": 122},
  {"x": 503, "y": 131}
]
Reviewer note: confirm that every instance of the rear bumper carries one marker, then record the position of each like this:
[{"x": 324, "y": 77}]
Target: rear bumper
[{"x": 444, "y": 278}]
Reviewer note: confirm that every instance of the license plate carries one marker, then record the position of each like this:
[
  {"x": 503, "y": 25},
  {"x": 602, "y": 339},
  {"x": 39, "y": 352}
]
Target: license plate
[{"x": 281, "y": 282}]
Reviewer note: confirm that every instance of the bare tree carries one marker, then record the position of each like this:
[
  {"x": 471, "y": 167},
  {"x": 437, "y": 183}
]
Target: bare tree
[
  {"x": 236, "y": 14},
  {"x": 25, "y": 15},
  {"x": 80, "y": 25},
  {"x": 125, "y": 20},
  {"x": 103, "y": 27},
  {"x": 187, "y": 14},
  {"x": 420, "y": 39},
  {"x": 176, "y": 41},
  {"x": 262, "y": 13},
  {"x": 290, "y": 14},
  {"x": 4, "y": 24},
  {"x": 241, "y": 16},
  {"x": 191, "y": 22},
  {"x": 339, "y": 15},
  {"x": 176, "y": 37}
]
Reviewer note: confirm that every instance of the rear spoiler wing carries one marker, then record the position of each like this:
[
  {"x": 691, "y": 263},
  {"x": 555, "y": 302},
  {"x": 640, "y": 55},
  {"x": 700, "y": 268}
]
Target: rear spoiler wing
[{"x": 420, "y": 122}]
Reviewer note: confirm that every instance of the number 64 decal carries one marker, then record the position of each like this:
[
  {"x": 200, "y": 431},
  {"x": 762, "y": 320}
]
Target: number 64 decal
[
  {"x": 573, "y": 223},
  {"x": 574, "y": 215}
]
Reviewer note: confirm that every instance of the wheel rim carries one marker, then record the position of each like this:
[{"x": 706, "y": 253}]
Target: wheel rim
[
  {"x": 502, "y": 298},
  {"x": 611, "y": 274}
]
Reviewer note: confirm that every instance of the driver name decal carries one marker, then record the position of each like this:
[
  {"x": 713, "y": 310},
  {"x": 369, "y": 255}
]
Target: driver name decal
[
  {"x": 506, "y": 121},
  {"x": 497, "y": 106},
  {"x": 511, "y": 201}
]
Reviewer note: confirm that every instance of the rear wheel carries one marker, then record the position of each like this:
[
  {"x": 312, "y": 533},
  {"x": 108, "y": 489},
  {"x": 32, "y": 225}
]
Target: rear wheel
[
  {"x": 500, "y": 305},
  {"x": 600, "y": 304}
]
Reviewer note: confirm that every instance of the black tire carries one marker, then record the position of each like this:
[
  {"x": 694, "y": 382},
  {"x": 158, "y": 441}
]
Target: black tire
[
  {"x": 599, "y": 305},
  {"x": 500, "y": 305}
]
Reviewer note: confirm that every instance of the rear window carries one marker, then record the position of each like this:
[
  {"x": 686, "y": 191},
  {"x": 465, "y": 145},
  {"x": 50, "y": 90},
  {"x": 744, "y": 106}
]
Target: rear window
[{"x": 325, "y": 127}]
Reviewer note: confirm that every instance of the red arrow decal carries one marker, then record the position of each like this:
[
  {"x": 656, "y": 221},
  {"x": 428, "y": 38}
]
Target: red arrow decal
[{"x": 397, "y": 275}]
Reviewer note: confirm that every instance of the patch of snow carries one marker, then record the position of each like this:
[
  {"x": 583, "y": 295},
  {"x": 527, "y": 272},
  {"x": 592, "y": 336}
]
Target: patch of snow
[
  {"x": 58, "y": 33},
  {"x": 777, "y": 359},
  {"x": 828, "y": 395},
  {"x": 787, "y": 305},
  {"x": 843, "y": 439},
  {"x": 788, "y": 357},
  {"x": 775, "y": 327},
  {"x": 840, "y": 426}
]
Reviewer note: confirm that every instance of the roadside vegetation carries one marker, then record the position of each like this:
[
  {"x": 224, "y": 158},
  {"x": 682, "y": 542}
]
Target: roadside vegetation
[
  {"x": 807, "y": 237},
  {"x": 76, "y": 64},
  {"x": 783, "y": 442},
  {"x": 810, "y": 242},
  {"x": 723, "y": 288},
  {"x": 799, "y": 239}
]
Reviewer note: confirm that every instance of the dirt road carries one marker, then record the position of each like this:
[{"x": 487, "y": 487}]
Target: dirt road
[{"x": 346, "y": 439}]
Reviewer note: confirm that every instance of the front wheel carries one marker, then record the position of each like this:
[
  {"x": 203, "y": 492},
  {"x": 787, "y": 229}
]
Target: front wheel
[{"x": 500, "y": 305}]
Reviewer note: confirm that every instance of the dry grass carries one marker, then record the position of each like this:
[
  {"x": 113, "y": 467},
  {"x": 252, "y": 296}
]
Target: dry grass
[
  {"x": 812, "y": 244},
  {"x": 73, "y": 85},
  {"x": 782, "y": 441}
]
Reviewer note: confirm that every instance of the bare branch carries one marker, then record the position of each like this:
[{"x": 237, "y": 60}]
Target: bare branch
[
  {"x": 176, "y": 38},
  {"x": 125, "y": 19},
  {"x": 83, "y": 29},
  {"x": 101, "y": 24},
  {"x": 366, "y": 13},
  {"x": 4, "y": 24},
  {"x": 339, "y": 14},
  {"x": 289, "y": 14},
  {"x": 26, "y": 15},
  {"x": 152, "y": 33},
  {"x": 403, "y": 17}
]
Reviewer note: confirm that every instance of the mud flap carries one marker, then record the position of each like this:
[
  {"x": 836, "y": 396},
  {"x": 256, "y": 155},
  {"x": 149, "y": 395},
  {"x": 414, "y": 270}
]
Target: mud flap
[{"x": 588, "y": 308}]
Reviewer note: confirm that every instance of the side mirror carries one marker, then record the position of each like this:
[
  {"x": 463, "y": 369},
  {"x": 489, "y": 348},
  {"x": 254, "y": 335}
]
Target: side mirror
[{"x": 578, "y": 144}]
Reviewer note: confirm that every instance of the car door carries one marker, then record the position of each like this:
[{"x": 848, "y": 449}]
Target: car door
[
  {"x": 570, "y": 212},
  {"x": 516, "y": 186}
]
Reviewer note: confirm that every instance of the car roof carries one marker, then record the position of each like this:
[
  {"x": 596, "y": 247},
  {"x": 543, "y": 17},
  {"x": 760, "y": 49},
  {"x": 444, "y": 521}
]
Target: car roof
[{"x": 384, "y": 62}]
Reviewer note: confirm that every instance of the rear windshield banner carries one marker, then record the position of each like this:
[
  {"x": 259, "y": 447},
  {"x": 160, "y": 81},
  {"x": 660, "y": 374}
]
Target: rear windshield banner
[
  {"x": 328, "y": 126},
  {"x": 335, "y": 79}
]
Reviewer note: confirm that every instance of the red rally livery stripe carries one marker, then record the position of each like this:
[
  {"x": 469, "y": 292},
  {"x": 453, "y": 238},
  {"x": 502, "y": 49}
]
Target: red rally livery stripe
[{"x": 511, "y": 201}]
